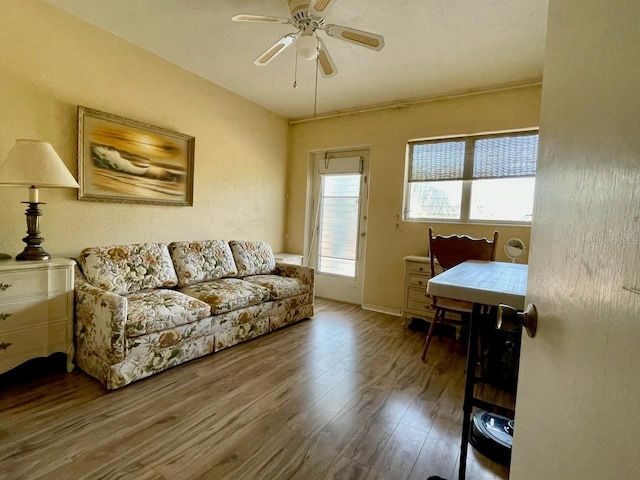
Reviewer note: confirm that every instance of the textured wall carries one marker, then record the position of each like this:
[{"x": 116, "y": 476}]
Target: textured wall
[
  {"x": 386, "y": 133},
  {"x": 50, "y": 62}
]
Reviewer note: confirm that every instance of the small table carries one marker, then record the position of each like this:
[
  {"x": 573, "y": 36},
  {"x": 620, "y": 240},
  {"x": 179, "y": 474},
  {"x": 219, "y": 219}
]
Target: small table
[
  {"x": 292, "y": 258},
  {"x": 481, "y": 283}
]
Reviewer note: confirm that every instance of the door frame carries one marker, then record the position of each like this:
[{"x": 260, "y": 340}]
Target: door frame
[{"x": 311, "y": 207}]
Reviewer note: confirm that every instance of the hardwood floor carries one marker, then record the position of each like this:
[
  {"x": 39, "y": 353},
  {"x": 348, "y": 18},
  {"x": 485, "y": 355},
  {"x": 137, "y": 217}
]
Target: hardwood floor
[{"x": 342, "y": 396}]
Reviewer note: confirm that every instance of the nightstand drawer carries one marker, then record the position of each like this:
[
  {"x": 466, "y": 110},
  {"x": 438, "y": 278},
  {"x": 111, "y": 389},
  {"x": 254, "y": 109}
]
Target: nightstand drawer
[
  {"x": 419, "y": 294},
  {"x": 32, "y": 282},
  {"x": 21, "y": 313},
  {"x": 20, "y": 345},
  {"x": 417, "y": 306},
  {"x": 416, "y": 267},
  {"x": 36, "y": 310},
  {"x": 19, "y": 284},
  {"x": 418, "y": 281}
]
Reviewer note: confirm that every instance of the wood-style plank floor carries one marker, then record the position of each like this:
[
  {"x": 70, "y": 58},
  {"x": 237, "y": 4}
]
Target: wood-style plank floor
[{"x": 342, "y": 396}]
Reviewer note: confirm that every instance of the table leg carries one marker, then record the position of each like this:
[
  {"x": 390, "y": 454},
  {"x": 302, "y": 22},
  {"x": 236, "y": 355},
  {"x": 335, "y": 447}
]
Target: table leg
[{"x": 472, "y": 359}]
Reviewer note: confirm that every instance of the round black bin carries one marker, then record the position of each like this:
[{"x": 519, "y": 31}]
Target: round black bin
[{"x": 492, "y": 435}]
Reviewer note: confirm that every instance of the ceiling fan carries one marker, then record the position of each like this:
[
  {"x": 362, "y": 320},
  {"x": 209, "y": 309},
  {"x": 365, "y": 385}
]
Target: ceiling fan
[{"x": 308, "y": 17}]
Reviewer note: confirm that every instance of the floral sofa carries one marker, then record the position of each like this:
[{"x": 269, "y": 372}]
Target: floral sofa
[{"x": 143, "y": 308}]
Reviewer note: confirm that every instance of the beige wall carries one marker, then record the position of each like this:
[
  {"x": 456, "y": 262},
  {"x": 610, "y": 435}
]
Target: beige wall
[
  {"x": 386, "y": 132},
  {"x": 51, "y": 62}
]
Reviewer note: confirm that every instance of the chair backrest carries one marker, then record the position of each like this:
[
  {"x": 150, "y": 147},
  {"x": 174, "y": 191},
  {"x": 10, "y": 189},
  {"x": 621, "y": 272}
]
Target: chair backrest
[{"x": 452, "y": 250}]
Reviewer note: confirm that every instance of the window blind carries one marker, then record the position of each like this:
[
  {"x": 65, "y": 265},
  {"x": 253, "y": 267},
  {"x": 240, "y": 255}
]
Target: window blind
[
  {"x": 495, "y": 157},
  {"x": 498, "y": 157},
  {"x": 437, "y": 161}
]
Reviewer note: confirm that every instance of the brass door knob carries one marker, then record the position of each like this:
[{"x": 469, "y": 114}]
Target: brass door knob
[{"x": 509, "y": 318}]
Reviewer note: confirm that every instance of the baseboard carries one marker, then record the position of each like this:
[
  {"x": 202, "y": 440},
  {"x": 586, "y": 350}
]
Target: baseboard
[{"x": 379, "y": 309}]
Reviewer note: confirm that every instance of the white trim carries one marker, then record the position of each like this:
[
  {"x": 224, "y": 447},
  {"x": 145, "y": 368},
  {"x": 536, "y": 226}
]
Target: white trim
[{"x": 386, "y": 310}]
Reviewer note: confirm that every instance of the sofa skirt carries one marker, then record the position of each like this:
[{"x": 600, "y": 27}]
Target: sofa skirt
[
  {"x": 141, "y": 366},
  {"x": 158, "y": 351}
]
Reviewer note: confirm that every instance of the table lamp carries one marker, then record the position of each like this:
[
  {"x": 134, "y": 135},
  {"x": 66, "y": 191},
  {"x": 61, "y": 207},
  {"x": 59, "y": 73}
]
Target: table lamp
[{"x": 34, "y": 164}]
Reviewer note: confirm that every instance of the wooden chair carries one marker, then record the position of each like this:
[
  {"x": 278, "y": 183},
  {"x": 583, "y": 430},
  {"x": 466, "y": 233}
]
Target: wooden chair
[{"x": 449, "y": 251}]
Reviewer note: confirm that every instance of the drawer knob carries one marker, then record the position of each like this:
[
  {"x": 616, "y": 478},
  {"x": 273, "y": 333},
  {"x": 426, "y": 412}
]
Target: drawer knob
[
  {"x": 4, "y": 316},
  {"x": 4, "y": 346},
  {"x": 4, "y": 286}
]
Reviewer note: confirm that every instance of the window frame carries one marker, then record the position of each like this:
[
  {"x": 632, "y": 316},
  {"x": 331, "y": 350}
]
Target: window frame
[{"x": 467, "y": 180}]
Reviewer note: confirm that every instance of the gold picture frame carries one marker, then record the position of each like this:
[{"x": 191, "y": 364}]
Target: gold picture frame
[{"x": 126, "y": 161}]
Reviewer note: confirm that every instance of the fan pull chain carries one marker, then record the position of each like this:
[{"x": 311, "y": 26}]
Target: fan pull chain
[
  {"x": 315, "y": 94},
  {"x": 295, "y": 73}
]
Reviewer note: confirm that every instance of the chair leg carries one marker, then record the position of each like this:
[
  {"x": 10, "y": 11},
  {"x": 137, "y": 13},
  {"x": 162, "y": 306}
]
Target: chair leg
[{"x": 427, "y": 340}]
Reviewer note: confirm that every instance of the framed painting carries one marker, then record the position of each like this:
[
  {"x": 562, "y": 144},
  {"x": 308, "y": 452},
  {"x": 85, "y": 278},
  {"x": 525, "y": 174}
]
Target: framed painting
[{"x": 122, "y": 160}]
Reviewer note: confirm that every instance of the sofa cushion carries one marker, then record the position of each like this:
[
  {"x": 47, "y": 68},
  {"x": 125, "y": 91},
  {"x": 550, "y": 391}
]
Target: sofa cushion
[
  {"x": 151, "y": 311},
  {"x": 252, "y": 258},
  {"x": 227, "y": 294},
  {"x": 202, "y": 261},
  {"x": 125, "y": 269},
  {"x": 279, "y": 287}
]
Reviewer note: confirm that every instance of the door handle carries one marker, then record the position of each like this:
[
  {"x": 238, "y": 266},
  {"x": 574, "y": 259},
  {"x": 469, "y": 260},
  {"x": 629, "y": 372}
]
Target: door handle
[{"x": 509, "y": 317}]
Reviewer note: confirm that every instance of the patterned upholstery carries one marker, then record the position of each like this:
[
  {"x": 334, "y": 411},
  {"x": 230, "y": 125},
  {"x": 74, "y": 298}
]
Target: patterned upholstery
[
  {"x": 202, "y": 261},
  {"x": 129, "y": 325},
  {"x": 252, "y": 258},
  {"x": 156, "y": 310},
  {"x": 125, "y": 269},
  {"x": 227, "y": 294},
  {"x": 279, "y": 287}
]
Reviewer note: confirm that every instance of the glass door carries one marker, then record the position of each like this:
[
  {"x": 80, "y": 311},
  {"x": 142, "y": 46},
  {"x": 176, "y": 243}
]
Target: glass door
[{"x": 338, "y": 231}]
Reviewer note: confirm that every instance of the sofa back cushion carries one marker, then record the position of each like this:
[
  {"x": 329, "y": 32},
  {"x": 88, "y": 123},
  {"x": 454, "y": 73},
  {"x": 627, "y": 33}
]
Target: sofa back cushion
[
  {"x": 125, "y": 269},
  {"x": 252, "y": 258},
  {"x": 202, "y": 261}
]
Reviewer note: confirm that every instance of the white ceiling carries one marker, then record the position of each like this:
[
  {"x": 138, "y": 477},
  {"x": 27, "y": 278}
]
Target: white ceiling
[{"x": 432, "y": 47}]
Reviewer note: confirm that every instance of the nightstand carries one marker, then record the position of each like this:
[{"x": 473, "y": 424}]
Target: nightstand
[
  {"x": 36, "y": 311},
  {"x": 292, "y": 258},
  {"x": 417, "y": 303}
]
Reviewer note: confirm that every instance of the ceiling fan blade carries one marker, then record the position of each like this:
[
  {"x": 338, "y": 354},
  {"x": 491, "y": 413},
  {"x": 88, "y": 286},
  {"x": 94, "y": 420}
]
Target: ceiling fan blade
[
  {"x": 276, "y": 49},
  {"x": 327, "y": 67},
  {"x": 318, "y": 7},
  {"x": 244, "y": 17},
  {"x": 359, "y": 37}
]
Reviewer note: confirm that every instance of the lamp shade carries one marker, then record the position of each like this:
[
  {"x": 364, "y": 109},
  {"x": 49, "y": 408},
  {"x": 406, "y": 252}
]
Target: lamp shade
[{"x": 35, "y": 163}]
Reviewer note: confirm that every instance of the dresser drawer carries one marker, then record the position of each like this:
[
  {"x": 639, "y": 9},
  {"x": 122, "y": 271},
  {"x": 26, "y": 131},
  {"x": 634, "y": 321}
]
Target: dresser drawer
[
  {"x": 24, "y": 313},
  {"x": 419, "y": 294},
  {"x": 20, "y": 345},
  {"x": 418, "y": 281},
  {"x": 16, "y": 284},
  {"x": 422, "y": 307},
  {"x": 417, "y": 267}
]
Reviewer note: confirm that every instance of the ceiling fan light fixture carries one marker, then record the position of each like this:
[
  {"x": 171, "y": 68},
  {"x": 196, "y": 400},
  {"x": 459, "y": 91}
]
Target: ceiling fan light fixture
[{"x": 307, "y": 47}]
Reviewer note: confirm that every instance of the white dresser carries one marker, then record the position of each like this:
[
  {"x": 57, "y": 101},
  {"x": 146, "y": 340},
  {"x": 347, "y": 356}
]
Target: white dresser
[
  {"x": 292, "y": 258},
  {"x": 36, "y": 310},
  {"x": 417, "y": 303}
]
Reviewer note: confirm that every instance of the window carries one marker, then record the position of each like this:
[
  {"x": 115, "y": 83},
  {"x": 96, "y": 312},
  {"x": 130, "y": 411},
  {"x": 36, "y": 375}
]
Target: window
[
  {"x": 478, "y": 178},
  {"x": 338, "y": 226}
]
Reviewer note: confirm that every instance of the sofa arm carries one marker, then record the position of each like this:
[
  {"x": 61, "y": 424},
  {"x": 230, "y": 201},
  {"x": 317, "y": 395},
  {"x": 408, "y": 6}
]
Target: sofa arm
[
  {"x": 305, "y": 274},
  {"x": 100, "y": 321}
]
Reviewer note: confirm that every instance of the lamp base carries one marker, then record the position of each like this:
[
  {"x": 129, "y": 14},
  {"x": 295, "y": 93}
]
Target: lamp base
[{"x": 33, "y": 252}]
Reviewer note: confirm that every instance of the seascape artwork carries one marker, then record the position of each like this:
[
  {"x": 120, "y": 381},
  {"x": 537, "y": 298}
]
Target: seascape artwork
[{"x": 126, "y": 161}]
